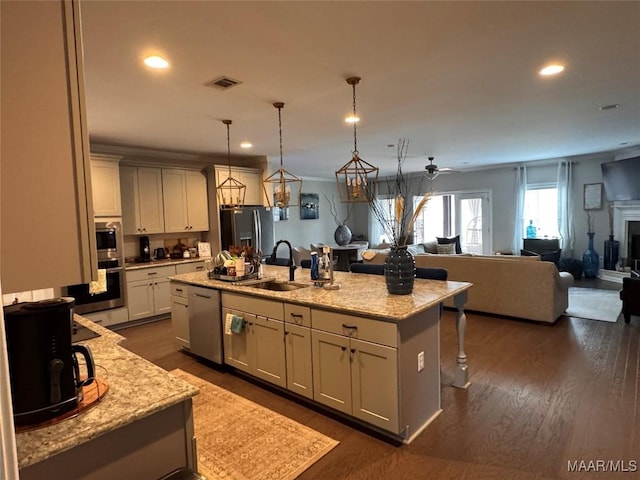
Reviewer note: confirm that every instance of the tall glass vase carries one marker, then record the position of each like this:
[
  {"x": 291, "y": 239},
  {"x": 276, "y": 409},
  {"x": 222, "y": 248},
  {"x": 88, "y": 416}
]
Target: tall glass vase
[
  {"x": 399, "y": 270},
  {"x": 590, "y": 259},
  {"x": 611, "y": 252}
]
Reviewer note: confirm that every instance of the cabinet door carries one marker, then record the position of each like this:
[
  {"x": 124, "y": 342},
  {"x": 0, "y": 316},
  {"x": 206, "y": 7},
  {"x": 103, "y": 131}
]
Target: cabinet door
[
  {"x": 180, "y": 320},
  {"x": 189, "y": 267},
  {"x": 374, "y": 378},
  {"x": 140, "y": 299},
  {"x": 236, "y": 351},
  {"x": 150, "y": 200},
  {"x": 161, "y": 296},
  {"x": 105, "y": 183},
  {"x": 253, "y": 182},
  {"x": 130, "y": 205},
  {"x": 197, "y": 202},
  {"x": 331, "y": 370},
  {"x": 174, "y": 194},
  {"x": 267, "y": 350},
  {"x": 298, "y": 356},
  {"x": 204, "y": 323},
  {"x": 45, "y": 183}
]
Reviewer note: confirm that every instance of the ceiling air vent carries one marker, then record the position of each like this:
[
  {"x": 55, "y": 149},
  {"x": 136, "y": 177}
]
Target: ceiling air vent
[{"x": 223, "y": 83}]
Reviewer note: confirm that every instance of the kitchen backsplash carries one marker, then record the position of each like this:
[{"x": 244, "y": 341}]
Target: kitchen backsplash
[
  {"x": 132, "y": 242},
  {"x": 28, "y": 296}
]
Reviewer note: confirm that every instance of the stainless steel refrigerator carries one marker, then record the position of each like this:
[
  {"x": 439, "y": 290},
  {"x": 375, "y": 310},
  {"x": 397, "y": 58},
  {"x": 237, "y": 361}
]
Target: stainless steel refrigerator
[{"x": 253, "y": 226}]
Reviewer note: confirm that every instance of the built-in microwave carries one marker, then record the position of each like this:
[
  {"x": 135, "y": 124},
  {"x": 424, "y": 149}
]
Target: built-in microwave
[{"x": 109, "y": 240}]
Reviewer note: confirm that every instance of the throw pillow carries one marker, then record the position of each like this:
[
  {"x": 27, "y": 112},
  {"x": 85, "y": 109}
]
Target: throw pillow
[
  {"x": 430, "y": 247},
  {"x": 415, "y": 249},
  {"x": 454, "y": 240},
  {"x": 446, "y": 249}
]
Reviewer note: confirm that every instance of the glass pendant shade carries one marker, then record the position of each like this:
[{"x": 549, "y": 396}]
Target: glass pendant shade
[
  {"x": 357, "y": 179},
  {"x": 279, "y": 185},
  {"x": 231, "y": 192}
]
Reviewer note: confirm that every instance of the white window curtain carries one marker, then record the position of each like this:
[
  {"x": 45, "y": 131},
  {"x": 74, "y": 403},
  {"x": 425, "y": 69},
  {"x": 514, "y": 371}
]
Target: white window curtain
[
  {"x": 518, "y": 225},
  {"x": 565, "y": 207}
]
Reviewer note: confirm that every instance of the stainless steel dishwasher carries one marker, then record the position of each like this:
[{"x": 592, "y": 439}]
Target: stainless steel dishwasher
[{"x": 205, "y": 323}]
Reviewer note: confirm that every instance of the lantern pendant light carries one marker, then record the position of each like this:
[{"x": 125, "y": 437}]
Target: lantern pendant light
[
  {"x": 278, "y": 186},
  {"x": 231, "y": 192},
  {"x": 357, "y": 178}
]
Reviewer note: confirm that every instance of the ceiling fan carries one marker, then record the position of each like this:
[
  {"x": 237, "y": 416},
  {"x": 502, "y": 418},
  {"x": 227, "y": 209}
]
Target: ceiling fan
[{"x": 433, "y": 171}]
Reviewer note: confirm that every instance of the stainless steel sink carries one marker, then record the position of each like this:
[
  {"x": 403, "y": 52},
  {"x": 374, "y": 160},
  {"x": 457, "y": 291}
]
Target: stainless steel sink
[{"x": 273, "y": 285}]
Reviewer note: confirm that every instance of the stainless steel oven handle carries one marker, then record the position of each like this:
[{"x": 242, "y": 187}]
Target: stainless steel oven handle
[{"x": 114, "y": 269}]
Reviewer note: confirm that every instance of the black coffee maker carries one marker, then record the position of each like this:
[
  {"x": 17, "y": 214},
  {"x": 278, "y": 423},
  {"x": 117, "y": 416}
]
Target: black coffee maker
[
  {"x": 145, "y": 249},
  {"x": 43, "y": 365}
]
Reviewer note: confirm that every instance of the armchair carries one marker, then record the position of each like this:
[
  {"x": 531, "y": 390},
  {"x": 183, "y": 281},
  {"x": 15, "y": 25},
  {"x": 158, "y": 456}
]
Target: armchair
[{"x": 630, "y": 296}]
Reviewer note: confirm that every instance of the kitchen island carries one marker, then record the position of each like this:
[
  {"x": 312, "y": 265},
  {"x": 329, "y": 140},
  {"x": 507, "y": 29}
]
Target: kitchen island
[
  {"x": 142, "y": 427},
  {"x": 367, "y": 355}
]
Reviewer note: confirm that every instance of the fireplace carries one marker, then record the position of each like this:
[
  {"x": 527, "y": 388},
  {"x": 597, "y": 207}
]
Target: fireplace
[{"x": 626, "y": 228}]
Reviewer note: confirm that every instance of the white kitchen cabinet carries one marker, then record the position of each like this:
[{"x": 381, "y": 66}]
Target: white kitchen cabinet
[
  {"x": 142, "y": 204},
  {"x": 180, "y": 314},
  {"x": 45, "y": 188},
  {"x": 352, "y": 374},
  {"x": 148, "y": 291},
  {"x": 185, "y": 201},
  {"x": 105, "y": 182},
  {"x": 258, "y": 348},
  {"x": 297, "y": 340},
  {"x": 250, "y": 177}
]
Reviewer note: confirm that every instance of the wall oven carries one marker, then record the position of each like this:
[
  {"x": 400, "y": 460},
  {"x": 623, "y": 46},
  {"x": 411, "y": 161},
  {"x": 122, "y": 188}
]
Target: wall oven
[{"x": 110, "y": 247}]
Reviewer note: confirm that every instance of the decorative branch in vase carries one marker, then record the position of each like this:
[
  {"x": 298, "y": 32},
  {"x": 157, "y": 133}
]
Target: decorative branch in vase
[
  {"x": 342, "y": 235},
  {"x": 397, "y": 219}
]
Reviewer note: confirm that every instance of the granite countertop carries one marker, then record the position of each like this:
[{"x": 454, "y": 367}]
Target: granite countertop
[
  {"x": 359, "y": 293},
  {"x": 160, "y": 263},
  {"x": 137, "y": 389}
]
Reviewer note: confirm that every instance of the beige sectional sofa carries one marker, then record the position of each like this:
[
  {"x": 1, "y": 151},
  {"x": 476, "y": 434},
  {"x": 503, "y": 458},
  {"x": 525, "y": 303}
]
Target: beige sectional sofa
[{"x": 515, "y": 286}]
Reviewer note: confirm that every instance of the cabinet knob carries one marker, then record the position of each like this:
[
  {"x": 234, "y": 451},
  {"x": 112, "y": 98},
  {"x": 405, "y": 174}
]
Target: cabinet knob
[{"x": 344, "y": 348}]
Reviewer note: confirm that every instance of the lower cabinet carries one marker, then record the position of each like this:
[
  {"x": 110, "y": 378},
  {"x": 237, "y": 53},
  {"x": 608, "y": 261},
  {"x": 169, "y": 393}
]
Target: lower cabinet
[
  {"x": 353, "y": 375},
  {"x": 148, "y": 291},
  {"x": 180, "y": 314},
  {"x": 297, "y": 343},
  {"x": 258, "y": 347}
]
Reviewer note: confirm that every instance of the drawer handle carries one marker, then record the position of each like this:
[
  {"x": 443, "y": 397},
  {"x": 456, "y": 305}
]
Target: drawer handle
[
  {"x": 201, "y": 296},
  {"x": 200, "y": 268},
  {"x": 152, "y": 273},
  {"x": 296, "y": 315},
  {"x": 350, "y": 327},
  {"x": 178, "y": 290}
]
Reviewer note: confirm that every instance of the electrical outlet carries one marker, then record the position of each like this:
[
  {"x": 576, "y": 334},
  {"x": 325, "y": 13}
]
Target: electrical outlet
[{"x": 421, "y": 361}]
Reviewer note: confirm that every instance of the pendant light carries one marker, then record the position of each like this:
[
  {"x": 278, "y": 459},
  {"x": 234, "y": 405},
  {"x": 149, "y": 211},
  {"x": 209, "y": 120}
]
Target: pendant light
[
  {"x": 231, "y": 192},
  {"x": 357, "y": 178},
  {"x": 278, "y": 186}
]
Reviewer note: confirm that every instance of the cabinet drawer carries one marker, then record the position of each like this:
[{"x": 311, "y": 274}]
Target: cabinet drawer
[
  {"x": 179, "y": 289},
  {"x": 297, "y": 314},
  {"x": 189, "y": 267},
  {"x": 257, "y": 306},
  {"x": 153, "y": 272},
  {"x": 383, "y": 333}
]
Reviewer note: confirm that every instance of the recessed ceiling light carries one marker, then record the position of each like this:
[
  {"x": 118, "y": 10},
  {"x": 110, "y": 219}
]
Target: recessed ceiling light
[
  {"x": 552, "y": 69},
  {"x": 352, "y": 119},
  {"x": 156, "y": 62},
  {"x": 612, "y": 106},
  {"x": 246, "y": 145}
]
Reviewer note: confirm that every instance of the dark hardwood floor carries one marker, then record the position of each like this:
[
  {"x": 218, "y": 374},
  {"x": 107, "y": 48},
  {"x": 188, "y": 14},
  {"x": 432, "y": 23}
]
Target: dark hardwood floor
[{"x": 541, "y": 396}]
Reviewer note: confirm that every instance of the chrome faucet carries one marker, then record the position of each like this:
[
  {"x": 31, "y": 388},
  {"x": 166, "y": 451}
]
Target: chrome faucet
[{"x": 291, "y": 263}]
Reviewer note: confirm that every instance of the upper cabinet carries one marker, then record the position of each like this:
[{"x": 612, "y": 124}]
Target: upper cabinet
[
  {"x": 45, "y": 187},
  {"x": 185, "y": 201},
  {"x": 141, "y": 191},
  {"x": 105, "y": 181},
  {"x": 250, "y": 177}
]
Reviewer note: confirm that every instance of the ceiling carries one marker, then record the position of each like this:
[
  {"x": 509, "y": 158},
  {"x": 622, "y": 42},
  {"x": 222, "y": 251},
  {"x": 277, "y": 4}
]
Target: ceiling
[{"x": 457, "y": 79}]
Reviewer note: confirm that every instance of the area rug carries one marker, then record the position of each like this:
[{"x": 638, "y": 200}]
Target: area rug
[
  {"x": 594, "y": 304},
  {"x": 241, "y": 440}
]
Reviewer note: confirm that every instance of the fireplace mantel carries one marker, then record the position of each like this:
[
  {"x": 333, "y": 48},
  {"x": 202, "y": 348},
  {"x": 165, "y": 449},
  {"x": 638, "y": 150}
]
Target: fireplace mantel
[{"x": 623, "y": 213}]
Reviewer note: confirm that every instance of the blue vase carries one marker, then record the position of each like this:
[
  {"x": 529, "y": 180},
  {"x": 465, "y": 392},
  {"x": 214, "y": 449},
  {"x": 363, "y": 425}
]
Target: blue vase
[
  {"x": 590, "y": 259},
  {"x": 611, "y": 253}
]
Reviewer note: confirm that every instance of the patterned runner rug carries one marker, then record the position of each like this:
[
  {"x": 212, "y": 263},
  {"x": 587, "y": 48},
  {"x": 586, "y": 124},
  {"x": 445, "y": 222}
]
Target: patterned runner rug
[
  {"x": 594, "y": 304},
  {"x": 241, "y": 440}
]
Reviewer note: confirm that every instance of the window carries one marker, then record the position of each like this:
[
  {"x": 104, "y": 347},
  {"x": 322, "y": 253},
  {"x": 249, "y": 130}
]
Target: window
[{"x": 541, "y": 209}]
